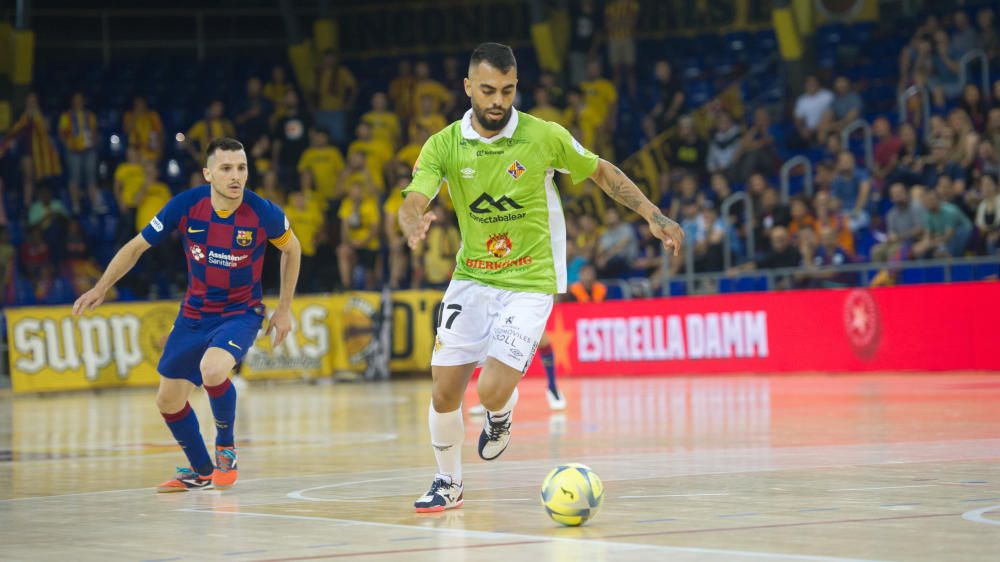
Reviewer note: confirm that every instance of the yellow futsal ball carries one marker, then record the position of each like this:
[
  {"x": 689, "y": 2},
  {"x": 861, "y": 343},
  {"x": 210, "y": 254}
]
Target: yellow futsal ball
[{"x": 572, "y": 494}]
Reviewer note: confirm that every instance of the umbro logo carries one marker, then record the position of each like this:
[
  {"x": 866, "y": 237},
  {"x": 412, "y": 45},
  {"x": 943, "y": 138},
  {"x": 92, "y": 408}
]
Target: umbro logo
[
  {"x": 485, "y": 204},
  {"x": 442, "y": 447}
]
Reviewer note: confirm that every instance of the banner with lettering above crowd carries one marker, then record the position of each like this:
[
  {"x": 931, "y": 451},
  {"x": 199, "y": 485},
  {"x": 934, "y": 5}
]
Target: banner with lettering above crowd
[
  {"x": 920, "y": 328},
  {"x": 907, "y": 328}
]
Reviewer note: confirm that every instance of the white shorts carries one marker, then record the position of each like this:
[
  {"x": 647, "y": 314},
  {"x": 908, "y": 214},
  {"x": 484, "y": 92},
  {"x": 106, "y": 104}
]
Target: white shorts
[{"x": 477, "y": 322}]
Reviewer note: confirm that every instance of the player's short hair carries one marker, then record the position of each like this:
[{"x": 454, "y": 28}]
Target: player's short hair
[
  {"x": 222, "y": 143},
  {"x": 496, "y": 55}
]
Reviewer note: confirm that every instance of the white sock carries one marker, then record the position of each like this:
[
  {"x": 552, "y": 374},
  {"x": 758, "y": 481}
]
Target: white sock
[
  {"x": 447, "y": 435},
  {"x": 508, "y": 407}
]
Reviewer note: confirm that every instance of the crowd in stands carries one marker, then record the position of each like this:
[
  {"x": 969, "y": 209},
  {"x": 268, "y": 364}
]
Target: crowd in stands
[{"x": 336, "y": 158}]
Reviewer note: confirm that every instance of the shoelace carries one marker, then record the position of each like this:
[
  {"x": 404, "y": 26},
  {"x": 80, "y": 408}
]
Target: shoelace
[
  {"x": 226, "y": 458},
  {"x": 438, "y": 484},
  {"x": 185, "y": 472},
  {"x": 498, "y": 428}
]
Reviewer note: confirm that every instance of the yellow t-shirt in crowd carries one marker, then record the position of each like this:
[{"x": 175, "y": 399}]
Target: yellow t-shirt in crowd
[
  {"x": 305, "y": 224},
  {"x": 131, "y": 177},
  {"x": 156, "y": 197},
  {"x": 439, "y": 257},
  {"x": 377, "y": 154},
  {"x": 202, "y": 132},
  {"x": 548, "y": 113},
  {"x": 385, "y": 126},
  {"x": 600, "y": 94},
  {"x": 409, "y": 154},
  {"x": 333, "y": 87},
  {"x": 325, "y": 163},
  {"x": 435, "y": 90},
  {"x": 361, "y": 222},
  {"x": 391, "y": 207},
  {"x": 431, "y": 123},
  {"x": 145, "y": 132}
]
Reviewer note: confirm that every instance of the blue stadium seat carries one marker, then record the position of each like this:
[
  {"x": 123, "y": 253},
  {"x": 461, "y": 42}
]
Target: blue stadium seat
[
  {"x": 614, "y": 292},
  {"x": 985, "y": 271},
  {"x": 961, "y": 272},
  {"x": 677, "y": 288}
]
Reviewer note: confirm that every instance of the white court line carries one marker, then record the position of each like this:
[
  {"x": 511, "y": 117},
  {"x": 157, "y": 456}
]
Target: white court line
[
  {"x": 881, "y": 488},
  {"x": 978, "y": 515},
  {"x": 730, "y": 555},
  {"x": 673, "y": 496}
]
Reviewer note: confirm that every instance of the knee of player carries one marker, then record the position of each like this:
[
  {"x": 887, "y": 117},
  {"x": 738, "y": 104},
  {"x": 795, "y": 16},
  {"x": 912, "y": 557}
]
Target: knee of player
[
  {"x": 446, "y": 400},
  {"x": 212, "y": 373},
  {"x": 169, "y": 404}
]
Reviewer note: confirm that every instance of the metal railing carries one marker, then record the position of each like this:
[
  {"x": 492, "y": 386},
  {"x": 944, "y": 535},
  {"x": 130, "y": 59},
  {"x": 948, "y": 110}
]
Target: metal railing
[
  {"x": 727, "y": 244},
  {"x": 866, "y": 129},
  {"x": 786, "y": 170},
  {"x": 984, "y": 70},
  {"x": 925, "y": 102}
]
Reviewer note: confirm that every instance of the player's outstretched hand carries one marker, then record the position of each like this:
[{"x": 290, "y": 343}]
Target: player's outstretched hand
[
  {"x": 668, "y": 231},
  {"x": 418, "y": 236},
  {"x": 280, "y": 324},
  {"x": 88, "y": 301}
]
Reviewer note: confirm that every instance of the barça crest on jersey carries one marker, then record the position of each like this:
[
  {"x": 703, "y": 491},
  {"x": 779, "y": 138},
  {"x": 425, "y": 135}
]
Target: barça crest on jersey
[
  {"x": 516, "y": 170},
  {"x": 244, "y": 237}
]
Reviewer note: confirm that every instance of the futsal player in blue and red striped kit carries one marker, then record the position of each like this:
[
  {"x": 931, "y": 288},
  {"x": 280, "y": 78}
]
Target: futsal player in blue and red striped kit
[{"x": 225, "y": 231}]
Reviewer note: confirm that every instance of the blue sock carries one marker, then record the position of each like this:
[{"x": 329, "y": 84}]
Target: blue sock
[
  {"x": 549, "y": 362},
  {"x": 184, "y": 426},
  {"x": 223, "y": 400}
]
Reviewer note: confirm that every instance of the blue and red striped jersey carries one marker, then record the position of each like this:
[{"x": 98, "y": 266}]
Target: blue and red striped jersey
[{"x": 225, "y": 250}]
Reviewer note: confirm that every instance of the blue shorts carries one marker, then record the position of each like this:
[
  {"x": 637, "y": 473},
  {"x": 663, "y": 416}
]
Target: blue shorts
[{"x": 189, "y": 339}]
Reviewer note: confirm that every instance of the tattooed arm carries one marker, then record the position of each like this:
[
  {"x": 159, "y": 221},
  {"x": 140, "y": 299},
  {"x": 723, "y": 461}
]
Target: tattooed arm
[{"x": 616, "y": 184}]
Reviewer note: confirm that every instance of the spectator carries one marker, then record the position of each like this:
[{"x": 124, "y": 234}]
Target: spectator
[
  {"x": 964, "y": 138},
  {"x": 544, "y": 109},
  {"x": 853, "y": 187},
  {"x": 8, "y": 257},
  {"x": 802, "y": 218},
  {"x": 886, "y": 153},
  {"x": 650, "y": 259},
  {"x": 438, "y": 257},
  {"x": 557, "y": 95},
  {"x": 78, "y": 132},
  {"x": 669, "y": 103},
  {"x": 771, "y": 213},
  {"x": 964, "y": 38},
  {"x": 992, "y": 133},
  {"x": 947, "y": 230},
  {"x": 586, "y": 240},
  {"x": 585, "y": 38},
  {"x": 441, "y": 99},
  {"x": 616, "y": 247},
  {"x": 39, "y": 158},
  {"x": 711, "y": 235},
  {"x": 410, "y": 152},
  {"x": 588, "y": 288},
  {"x": 337, "y": 92},
  {"x": 254, "y": 119},
  {"x": 276, "y": 89},
  {"x": 910, "y": 162},
  {"x": 988, "y": 214},
  {"x": 940, "y": 164},
  {"x": 34, "y": 253},
  {"x": 305, "y": 214},
  {"x": 845, "y": 108},
  {"x": 688, "y": 194},
  {"x": 987, "y": 39},
  {"x": 781, "y": 255},
  {"x": 384, "y": 123},
  {"x": 144, "y": 130},
  {"x": 290, "y": 141},
  {"x": 724, "y": 145},
  {"x": 620, "y": 17},
  {"x": 582, "y": 120},
  {"x": 974, "y": 106},
  {"x": 399, "y": 251},
  {"x": 829, "y": 254},
  {"x": 988, "y": 160},
  {"x": 48, "y": 214},
  {"x": 905, "y": 226},
  {"x": 319, "y": 167},
  {"x": 599, "y": 93},
  {"x": 129, "y": 176},
  {"x": 152, "y": 196},
  {"x": 359, "y": 215},
  {"x": 50, "y": 287},
  {"x": 944, "y": 79},
  {"x": 427, "y": 117},
  {"x": 357, "y": 171},
  {"x": 809, "y": 110},
  {"x": 272, "y": 190},
  {"x": 574, "y": 261},
  {"x": 828, "y": 215},
  {"x": 401, "y": 90},
  {"x": 213, "y": 126},
  {"x": 377, "y": 154},
  {"x": 81, "y": 268},
  {"x": 688, "y": 151},
  {"x": 454, "y": 81},
  {"x": 758, "y": 152}
]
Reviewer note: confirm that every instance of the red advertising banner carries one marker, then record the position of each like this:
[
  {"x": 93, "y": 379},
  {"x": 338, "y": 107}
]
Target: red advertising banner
[{"x": 917, "y": 327}]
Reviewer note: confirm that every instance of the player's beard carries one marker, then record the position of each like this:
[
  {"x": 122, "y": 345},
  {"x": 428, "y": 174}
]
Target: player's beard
[{"x": 489, "y": 124}]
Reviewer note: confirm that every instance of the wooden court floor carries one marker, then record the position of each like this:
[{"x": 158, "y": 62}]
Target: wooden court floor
[{"x": 790, "y": 468}]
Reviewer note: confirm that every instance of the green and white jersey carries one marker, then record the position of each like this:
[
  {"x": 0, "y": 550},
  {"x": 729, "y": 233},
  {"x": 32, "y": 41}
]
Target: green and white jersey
[{"x": 508, "y": 207}]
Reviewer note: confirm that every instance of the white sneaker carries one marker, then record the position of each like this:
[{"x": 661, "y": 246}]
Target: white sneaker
[
  {"x": 477, "y": 410},
  {"x": 444, "y": 494},
  {"x": 556, "y": 400},
  {"x": 495, "y": 437}
]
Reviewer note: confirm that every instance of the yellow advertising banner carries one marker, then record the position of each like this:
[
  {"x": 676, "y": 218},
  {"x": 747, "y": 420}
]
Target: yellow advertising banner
[{"x": 120, "y": 344}]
